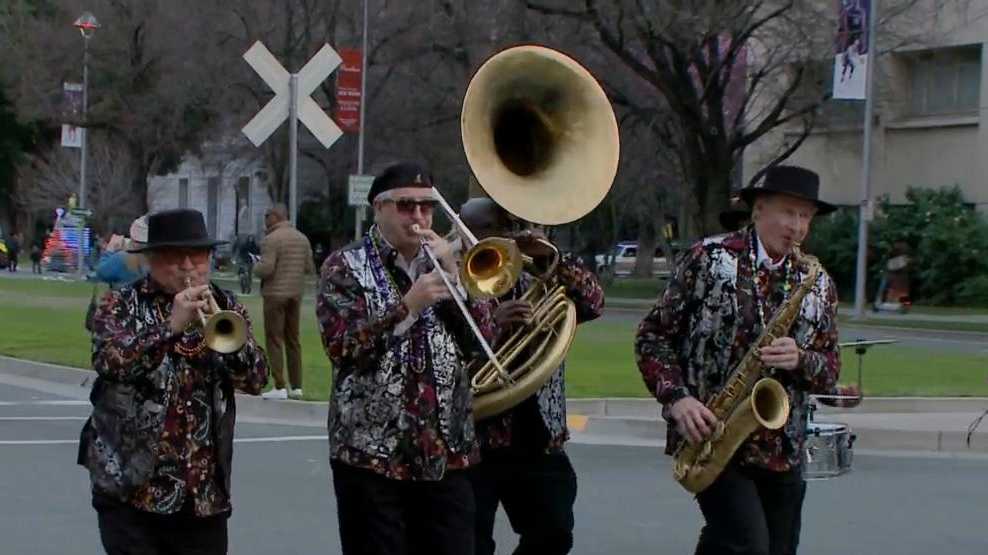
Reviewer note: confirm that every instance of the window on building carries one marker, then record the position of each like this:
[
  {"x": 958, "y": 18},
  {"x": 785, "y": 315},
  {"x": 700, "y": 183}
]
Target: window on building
[
  {"x": 945, "y": 81},
  {"x": 183, "y": 193},
  {"x": 242, "y": 223},
  {"x": 212, "y": 205}
]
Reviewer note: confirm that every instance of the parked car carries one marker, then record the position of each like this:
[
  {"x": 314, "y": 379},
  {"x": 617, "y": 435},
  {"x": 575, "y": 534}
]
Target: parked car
[{"x": 621, "y": 261}]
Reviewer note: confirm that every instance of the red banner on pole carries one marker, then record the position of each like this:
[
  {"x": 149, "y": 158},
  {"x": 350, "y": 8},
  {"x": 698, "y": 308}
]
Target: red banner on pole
[{"x": 348, "y": 93}]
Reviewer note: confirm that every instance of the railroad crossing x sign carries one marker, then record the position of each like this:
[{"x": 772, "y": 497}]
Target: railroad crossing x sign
[{"x": 278, "y": 109}]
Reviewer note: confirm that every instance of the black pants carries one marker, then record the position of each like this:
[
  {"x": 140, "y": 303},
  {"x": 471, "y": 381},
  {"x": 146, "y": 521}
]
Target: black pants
[
  {"x": 537, "y": 491},
  {"x": 125, "y": 530},
  {"x": 752, "y": 511},
  {"x": 380, "y": 516}
]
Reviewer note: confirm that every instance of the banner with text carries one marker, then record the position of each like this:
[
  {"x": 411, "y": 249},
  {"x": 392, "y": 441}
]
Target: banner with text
[{"x": 348, "y": 90}]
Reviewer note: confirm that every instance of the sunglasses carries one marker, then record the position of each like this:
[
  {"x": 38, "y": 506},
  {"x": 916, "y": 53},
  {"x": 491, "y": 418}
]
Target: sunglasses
[
  {"x": 407, "y": 205},
  {"x": 178, "y": 256}
]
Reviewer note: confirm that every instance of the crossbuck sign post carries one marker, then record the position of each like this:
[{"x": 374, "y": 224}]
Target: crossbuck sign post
[{"x": 292, "y": 100}]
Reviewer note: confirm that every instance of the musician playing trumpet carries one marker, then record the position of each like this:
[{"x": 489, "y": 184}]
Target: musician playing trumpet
[
  {"x": 524, "y": 467},
  {"x": 401, "y": 431},
  {"x": 723, "y": 293},
  {"x": 159, "y": 443}
]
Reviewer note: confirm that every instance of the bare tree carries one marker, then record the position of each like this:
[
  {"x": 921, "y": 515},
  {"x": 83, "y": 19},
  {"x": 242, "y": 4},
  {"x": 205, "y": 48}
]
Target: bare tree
[
  {"x": 148, "y": 68},
  {"x": 53, "y": 175},
  {"x": 688, "y": 55}
]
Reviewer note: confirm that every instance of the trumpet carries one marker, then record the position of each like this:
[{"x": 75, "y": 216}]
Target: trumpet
[{"x": 225, "y": 331}]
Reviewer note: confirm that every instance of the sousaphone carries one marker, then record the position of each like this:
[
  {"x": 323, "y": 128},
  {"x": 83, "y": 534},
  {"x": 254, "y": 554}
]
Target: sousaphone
[{"x": 542, "y": 141}]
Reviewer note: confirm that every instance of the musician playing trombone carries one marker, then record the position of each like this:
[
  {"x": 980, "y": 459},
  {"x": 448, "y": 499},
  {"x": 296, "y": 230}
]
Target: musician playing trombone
[
  {"x": 524, "y": 466},
  {"x": 401, "y": 431},
  {"x": 724, "y": 292},
  {"x": 159, "y": 443}
]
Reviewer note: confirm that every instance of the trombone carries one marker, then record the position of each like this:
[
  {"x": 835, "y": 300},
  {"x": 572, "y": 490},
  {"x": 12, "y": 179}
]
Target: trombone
[
  {"x": 225, "y": 331},
  {"x": 490, "y": 269}
]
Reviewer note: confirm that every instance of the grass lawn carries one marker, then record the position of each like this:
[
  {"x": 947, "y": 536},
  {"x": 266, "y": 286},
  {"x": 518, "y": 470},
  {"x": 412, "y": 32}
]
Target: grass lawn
[{"x": 43, "y": 320}]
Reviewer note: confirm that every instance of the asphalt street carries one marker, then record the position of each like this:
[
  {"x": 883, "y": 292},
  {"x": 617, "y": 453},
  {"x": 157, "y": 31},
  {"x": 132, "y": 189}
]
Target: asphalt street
[{"x": 627, "y": 504}]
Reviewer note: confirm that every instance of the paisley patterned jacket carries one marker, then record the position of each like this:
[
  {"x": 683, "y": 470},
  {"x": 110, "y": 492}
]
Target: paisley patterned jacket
[
  {"x": 152, "y": 383},
  {"x": 713, "y": 310},
  {"x": 401, "y": 402}
]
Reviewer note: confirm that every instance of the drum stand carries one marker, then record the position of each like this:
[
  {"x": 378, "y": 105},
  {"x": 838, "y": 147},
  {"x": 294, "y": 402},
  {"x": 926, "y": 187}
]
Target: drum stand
[{"x": 829, "y": 438}]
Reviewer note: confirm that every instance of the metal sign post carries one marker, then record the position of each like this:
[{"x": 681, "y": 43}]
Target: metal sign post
[
  {"x": 292, "y": 101},
  {"x": 866, "y": 212},
  {"x": 361, "y": 210}
]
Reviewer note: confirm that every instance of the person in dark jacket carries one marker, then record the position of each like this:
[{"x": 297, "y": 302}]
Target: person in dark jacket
[
  {"x": 13, "y": 251},
  {"x": 159, "y": 442}
]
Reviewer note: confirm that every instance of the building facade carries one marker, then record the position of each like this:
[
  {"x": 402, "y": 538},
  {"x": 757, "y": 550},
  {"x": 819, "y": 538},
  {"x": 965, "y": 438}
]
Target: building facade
[
  {"x": 231, "y": 194},
  {"x": 927, "y": 125}
]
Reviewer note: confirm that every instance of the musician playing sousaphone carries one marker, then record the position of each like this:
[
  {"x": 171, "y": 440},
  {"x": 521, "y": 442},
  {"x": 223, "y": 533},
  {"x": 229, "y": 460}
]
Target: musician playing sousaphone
[
  {"x": 724, "y": 294},
  {"x": 169, "y": 351},
  {"x": 524, "y": 466},
  {"x": 401, "y": 432}
]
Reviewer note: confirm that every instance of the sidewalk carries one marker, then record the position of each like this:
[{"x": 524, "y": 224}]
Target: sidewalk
[
  {"x": 625, "y": 303},
  {"x": 880, "y": 424}
]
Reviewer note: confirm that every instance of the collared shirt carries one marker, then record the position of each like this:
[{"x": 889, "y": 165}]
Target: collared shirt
[
  {"x": 765, "y": 261},
  {"x": 414, "y": 268}
]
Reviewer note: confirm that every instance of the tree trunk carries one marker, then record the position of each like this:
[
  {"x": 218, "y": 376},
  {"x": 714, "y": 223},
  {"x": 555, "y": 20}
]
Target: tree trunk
[{"x": 646, "y": 248}]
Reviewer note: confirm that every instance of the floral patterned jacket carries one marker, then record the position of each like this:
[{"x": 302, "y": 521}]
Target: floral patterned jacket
[
  {"x": 711, "y": 313},
  {"x": 539, "y": 423},
  {"x": 401, "y": 403},
  {"x": 163, "y": 405}
]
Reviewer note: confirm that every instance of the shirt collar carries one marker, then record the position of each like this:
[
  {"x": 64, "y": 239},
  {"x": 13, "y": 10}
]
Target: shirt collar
[
  {"x": 763, "y": 259},
  {"x": 390, "y": 254}
]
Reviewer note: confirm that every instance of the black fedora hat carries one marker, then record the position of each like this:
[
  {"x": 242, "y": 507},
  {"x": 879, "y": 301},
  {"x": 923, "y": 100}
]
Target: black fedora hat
[
  {"x": 736, "y": 215},
  {"x": 180, "y": 228},
  {"x": 789, "y": 180}
]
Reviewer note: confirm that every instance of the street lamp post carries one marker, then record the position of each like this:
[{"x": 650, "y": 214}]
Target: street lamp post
[{"x": 87, "y": 25}]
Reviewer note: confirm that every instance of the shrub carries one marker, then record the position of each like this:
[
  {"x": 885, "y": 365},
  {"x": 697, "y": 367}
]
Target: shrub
[{"x": 948, "y": 242}]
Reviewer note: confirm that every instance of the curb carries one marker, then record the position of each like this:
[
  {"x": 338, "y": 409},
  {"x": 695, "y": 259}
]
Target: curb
[{"x": 919, "y": 424}]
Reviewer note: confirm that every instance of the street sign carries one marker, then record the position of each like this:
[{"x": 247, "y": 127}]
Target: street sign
[
  {"x": 82, "y": 212},
  {"x": 278, "y": 108},
  {"x": 292, "y": 102},
  {"x": 359, "y": 186}
]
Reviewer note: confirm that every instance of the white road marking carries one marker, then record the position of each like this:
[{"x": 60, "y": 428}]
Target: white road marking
[
  {"x": 15, "y": 418},
  {"x": 50, "y": 402},
  {"x": 274, "y": 439}
]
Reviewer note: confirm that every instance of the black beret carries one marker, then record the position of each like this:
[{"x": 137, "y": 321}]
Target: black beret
[{"x": 396, "y": 176}]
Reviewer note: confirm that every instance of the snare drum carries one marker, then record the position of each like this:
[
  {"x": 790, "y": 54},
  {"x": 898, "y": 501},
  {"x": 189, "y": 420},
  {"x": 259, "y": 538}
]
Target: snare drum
[{"x": 828, "y": 452}]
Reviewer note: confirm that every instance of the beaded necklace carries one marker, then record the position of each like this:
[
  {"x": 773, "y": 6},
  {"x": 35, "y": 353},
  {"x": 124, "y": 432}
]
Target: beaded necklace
[
  {"x": 414, "y": 356},
  {"x": 756, "y": 269}
]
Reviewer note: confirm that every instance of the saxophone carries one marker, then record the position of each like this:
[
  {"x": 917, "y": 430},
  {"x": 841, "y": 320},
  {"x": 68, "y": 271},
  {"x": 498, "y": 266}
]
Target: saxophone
[{"x": 748, "y": 400}]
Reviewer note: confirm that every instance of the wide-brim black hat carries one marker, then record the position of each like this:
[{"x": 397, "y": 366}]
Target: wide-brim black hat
[
  {"x": 181, "y": 228},
  {"x": 793, "y": 181}
]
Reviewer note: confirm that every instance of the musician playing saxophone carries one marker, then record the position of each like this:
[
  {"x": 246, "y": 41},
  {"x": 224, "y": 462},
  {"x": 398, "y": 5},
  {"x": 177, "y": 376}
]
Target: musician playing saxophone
[
  {"x": 723, "y": 292},
  {"x": 400, "y": 423},
  {"x": 524, "y": 466}
]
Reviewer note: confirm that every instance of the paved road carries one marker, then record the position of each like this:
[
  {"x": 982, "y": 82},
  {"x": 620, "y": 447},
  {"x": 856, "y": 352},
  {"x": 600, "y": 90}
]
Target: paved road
[{"x": 627, "y": 502}]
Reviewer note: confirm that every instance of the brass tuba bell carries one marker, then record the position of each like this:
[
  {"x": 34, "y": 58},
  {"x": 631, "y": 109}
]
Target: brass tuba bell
[{"x": 540, "y": 135}]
